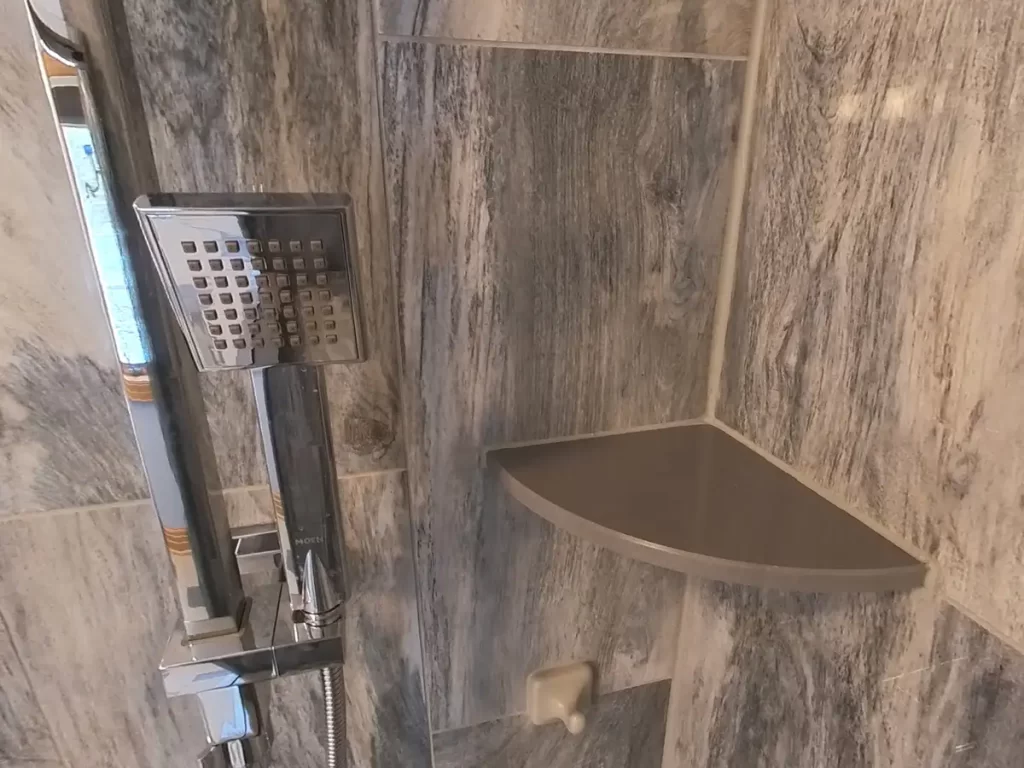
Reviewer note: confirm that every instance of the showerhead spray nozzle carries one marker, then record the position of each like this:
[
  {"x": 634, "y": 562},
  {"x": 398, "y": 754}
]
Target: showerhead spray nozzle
[{"x": 258, "y": 280}]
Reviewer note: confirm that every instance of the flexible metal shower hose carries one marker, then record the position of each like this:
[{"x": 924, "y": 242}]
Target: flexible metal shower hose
[{"x": 333, "y": 679}]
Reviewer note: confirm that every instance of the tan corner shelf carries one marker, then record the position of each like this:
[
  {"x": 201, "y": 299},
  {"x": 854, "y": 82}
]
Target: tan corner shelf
[{"x": 694, "y": 499}]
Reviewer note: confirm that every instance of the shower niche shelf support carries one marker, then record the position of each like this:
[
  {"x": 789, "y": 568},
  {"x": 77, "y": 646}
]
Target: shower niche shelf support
[{"x": 696, "y": 500}]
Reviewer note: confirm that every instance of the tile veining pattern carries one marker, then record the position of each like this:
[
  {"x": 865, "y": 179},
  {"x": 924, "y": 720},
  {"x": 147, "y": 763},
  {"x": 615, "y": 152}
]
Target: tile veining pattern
[
  {"x": 78, "y": 585},
  {"x": 385, "y": 709},
  {"x": 89, "y": 601},
  {"x": 556, "y": 219},
  {"x": 625, "y": 728},
  {"x": 109, "y": 586},
  {"x": 65, "y": 437},
  {"x": 24, "y": 734},
  {"x": 766, "y": 679},
  {"x": 247, "y": 96},
  {"x": 875, "y": 338},
  {"x": 719, "y": 27}
]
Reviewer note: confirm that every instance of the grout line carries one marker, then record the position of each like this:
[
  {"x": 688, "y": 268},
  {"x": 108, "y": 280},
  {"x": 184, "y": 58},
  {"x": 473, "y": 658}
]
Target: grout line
[
  {"x": 597, "y": 695},
  {"x": 147, "y": 501},
  {"x": 934, "y": 571},
  {"x": 588, "y": 435},
  {"x": 947, "y": 662},
  {"x": 677, "y": 698},
  {"x": 374, "y": 473},
  {"x": 51, "y": 732},
  {"x": 985, "y": 624},
  {"x": 245, "y": 488},
  {"x": 555, "y": 47},
  {"x": 396, "y": 315},
  {"x": 831, "y": 496},
  {"x": 44, "y": 513},
  {"x": 734, "y": 217}
]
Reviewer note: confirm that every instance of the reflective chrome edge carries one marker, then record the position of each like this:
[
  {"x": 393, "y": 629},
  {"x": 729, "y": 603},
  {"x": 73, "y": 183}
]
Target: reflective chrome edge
[
  {"x": 162, "y": 392},
  {"x": 317, "y": 513},
  {"x": 246, "y": 204},
  {"x": 254, "y": 654}
]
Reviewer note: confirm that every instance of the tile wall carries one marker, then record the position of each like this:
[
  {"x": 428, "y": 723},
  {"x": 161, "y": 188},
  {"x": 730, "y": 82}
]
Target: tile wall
[
  {"x": 543, "y": 192},
  {"x": 557, "y": 218},
  {"x": 875, "y": 332},
  {"x": 874, "y": 344},
  {"x": 86, "y": 600}
]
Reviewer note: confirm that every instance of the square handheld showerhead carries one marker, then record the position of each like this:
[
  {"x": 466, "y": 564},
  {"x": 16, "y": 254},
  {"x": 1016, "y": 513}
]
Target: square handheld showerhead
[{"x": 258, "y": 280}]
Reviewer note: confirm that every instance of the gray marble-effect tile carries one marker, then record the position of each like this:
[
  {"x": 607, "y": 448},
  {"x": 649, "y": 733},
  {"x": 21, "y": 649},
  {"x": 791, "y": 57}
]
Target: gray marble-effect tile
[
  {"x": 107, "y": 586},
  {"x": 65, "y": 437},
  {"x": 24, "y": 734},
  {"x": 625, "y": 728},
  {"x": 234, "y": 432},
  {"x": 875, "y": 334},
  {"x": 719, "y": 27},
  {"x": 246, "y": 96},
  {"x": 385, "y": 709},
  {"x": 89, "y": 602},
  {"x": 962, "y": 713},
  {"x": 767, "y": 679},
  {"x": 547, "y": 289},
  {"x": 248, "y": 506}
]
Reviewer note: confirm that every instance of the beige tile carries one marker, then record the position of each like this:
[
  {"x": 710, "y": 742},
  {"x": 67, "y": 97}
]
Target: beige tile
[
  {"x": 698, "y": 26},
  {"x": 875, "y": 334},
  {"x": 547, "y": 289},
  {"x": 65, "y": 438}
]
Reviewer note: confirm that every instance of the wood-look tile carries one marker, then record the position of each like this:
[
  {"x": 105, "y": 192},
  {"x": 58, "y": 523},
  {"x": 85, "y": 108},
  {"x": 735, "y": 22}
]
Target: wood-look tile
[
  {"x": 962, "y": 713},
  {"x": 281, "y": 97},
  {"x": 24, "y": 734},
  {"x": 234, "y": 432},
  {"x": 248, "y": 506},
  {"x": 859, "y": 681},
  {"x": 65, "y": 437},
  {"x": 548, "y": 287},
  {"x": 89, "y": 602},
  {"x": 76, "y": 587},
  {"x": 626, "y": 728},
  {"x": 696, "y": 26},
  {"x": 875, "y": 334},
  {"x": 768, "y": 679},
  {"x": 385, "y": 707}
]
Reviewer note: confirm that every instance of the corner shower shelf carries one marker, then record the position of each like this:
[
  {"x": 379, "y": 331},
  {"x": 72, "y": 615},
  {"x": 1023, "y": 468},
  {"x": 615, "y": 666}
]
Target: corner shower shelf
[{"x": 696, "y": 500}]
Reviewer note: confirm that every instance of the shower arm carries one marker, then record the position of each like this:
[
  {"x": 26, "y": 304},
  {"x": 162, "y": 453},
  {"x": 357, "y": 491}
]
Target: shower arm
[{"x": 225, "y": 643}]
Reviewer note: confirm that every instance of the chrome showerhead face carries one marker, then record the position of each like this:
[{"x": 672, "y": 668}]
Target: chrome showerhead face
[{"x": 258, "y": 280}]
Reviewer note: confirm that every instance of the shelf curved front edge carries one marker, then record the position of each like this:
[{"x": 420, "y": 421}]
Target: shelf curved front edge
[{"x": 693, "y": 499}]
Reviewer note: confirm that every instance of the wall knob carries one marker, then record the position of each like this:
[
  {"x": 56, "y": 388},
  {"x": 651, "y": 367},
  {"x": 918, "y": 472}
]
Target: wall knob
[{"x": 560, "y": 694}]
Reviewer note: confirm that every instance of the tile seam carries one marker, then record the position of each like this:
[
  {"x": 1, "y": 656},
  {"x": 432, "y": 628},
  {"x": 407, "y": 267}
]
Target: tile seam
[
  {"x": 526, "y": 46},
  {"x": 734, "y": 217}
]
